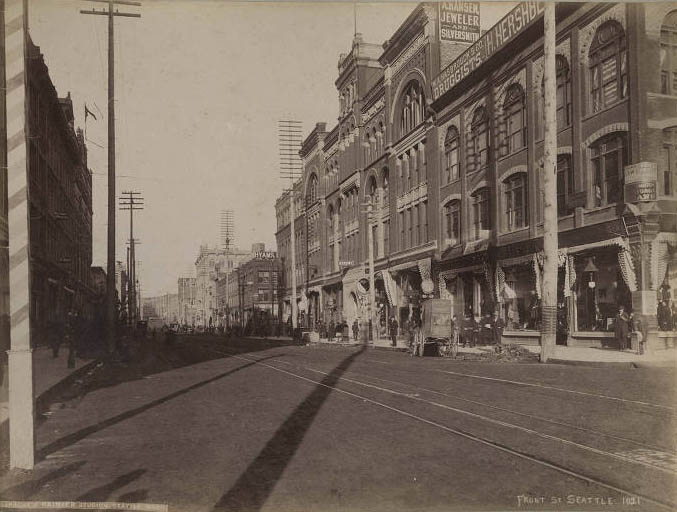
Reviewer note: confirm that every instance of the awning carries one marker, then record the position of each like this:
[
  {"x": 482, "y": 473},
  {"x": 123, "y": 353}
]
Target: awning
[
  {"x": 404, "y": 266},
  {"x": 618, "y": 241}
]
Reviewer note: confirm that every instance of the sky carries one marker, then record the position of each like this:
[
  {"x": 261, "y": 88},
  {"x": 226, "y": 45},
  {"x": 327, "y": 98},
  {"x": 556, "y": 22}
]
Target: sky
[{"x": 199, "y": 88}]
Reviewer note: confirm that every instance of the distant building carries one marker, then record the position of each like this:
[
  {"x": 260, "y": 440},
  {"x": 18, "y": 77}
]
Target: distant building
[
  {"x": 186, "y": 298},
  {"x": 257, "y": 282},
  {"x": 212, "y": 265},
  {"x": 165, "y": 307}
]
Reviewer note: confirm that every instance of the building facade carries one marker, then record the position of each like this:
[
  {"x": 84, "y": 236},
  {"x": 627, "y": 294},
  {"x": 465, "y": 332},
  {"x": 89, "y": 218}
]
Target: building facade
[
  {"x": 186, "y": 297},
  {"x": 211, "y": 265},
  {"x": 256, "y": 282},
  {"x": 165, "y": 307},
  {"x": 60, "y": 205},
  {"x": 439, "y": 150}
]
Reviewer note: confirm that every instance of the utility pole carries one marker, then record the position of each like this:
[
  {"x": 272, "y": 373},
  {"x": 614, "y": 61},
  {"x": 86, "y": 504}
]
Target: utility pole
[
  {"x": 20, "y": 354},
  {"x": 132, "y": 201},
  {"x": 110, "y": 268},
  {"x": 372, "y": 284},
  {"x": 291, "y": 167},
  {"x": 550, "y": 225}
]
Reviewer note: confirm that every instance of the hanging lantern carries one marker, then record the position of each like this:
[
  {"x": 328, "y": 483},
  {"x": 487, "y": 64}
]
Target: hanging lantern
[{"x": 591, "y": 270}]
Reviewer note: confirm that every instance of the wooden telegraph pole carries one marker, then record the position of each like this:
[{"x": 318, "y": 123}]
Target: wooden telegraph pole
[
  {"x": 110, "y": 268},
  {"x": 131, "y": 201},
  {"x": 550, "y": 226}
]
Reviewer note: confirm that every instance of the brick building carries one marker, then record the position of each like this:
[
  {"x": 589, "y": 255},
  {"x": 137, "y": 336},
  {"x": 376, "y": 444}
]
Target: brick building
[
  {"x": 445, "y": 141},
  {"x": 60, "y": 205}
]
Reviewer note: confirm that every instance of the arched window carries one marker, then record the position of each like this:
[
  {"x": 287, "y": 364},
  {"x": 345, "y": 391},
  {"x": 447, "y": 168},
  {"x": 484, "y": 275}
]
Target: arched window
[
  {"x": 386, "y": 180},
  {"x": 565, "y": 185},
  {"x": 608, "y": 66},
  {"x": 451, "y": 167},
  {"x": 669, "y": 163},
  {"x": 563, "y": 93},
  {"x": 312, "y": 190},
  {"x": 515, "y": 112},
  {"x": 480, "y": 140},
  {"x": 609, "y": 156},
  {"x": 411, "y": 114},
  {"x": 669, "y": 54},
  {"x": 481, "y": 213},
  {"x": 515, "y": 191},
  {"x": 452, "y": 223}
]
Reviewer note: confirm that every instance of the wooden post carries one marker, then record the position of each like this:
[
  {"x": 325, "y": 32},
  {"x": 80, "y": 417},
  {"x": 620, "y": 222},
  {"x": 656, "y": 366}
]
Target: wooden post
[{"x": 550, "y": 225}]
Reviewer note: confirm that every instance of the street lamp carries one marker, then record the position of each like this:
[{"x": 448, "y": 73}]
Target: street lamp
[{"x": 591, "y": 270}]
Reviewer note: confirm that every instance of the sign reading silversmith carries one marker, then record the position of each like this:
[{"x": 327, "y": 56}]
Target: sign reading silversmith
[
  {"x": 640, "y": 182},
  {"x": 492, "y": 41},
  {"x": 459, "y": 21}
]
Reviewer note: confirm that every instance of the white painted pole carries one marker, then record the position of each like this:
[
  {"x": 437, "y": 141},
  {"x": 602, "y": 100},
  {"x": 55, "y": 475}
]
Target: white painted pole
[{"x": 21, "y": 403}]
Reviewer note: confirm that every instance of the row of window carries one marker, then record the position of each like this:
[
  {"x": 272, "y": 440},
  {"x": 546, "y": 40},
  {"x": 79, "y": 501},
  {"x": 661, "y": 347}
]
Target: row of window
[
  {"x": 608, "y": 159},
  {"x": 608, "y": 85}
]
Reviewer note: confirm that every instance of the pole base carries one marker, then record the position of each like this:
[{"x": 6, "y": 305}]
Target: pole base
[{"x": 21, "y": 409}]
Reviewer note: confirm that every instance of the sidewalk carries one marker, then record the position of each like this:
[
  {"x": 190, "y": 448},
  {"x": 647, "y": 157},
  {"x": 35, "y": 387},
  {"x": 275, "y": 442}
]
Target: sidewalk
[
  {"x": 48, "y": 372},
  {"x": 589, "y": 356}
]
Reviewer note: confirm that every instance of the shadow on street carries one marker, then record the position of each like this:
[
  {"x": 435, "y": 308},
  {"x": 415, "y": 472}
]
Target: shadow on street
[
  {"x": 252, "y": 489},
  {"x": 154, "y": 355},
  {"x": 27, "y": 489},
  {"x": 70, "y": 439}
]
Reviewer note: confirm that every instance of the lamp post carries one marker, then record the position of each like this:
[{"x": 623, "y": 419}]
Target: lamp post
[{"x": 591, "y": 270}]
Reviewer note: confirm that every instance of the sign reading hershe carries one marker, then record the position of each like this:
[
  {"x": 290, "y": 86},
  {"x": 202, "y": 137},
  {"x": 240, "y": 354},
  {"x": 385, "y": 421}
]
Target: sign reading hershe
[
  {"x": 491, "y": 41},
  {"x": 460, "y": 21}
]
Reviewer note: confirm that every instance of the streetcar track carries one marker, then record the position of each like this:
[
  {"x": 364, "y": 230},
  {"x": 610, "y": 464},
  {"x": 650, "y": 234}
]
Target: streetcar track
[
  {"x": 474, "y": 437},
  {"x": 517, "y": 413},
  {"x": 668, "y": 451},
  {"x": 564, "y": 390},
  {"x": 501, "y": 423}
]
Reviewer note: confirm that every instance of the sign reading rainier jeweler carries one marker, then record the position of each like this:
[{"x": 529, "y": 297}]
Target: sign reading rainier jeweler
[
  {"x": 494, "y": 39},
  {"x": 640, "y": 182}
]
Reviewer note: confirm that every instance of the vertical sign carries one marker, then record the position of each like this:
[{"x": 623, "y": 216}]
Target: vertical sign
[
  {"x": 21, "y": 440},
  {"x": 459, "y": 21}
]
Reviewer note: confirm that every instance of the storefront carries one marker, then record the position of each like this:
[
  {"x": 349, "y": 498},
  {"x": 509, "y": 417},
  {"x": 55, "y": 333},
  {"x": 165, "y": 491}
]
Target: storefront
[{"x": 593, "y": 281}]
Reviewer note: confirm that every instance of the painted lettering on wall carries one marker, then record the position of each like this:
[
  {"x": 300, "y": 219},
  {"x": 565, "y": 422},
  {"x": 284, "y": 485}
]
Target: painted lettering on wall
[
  {"x": 493, "y": 40},
  {"x": 459, "y": 21}
]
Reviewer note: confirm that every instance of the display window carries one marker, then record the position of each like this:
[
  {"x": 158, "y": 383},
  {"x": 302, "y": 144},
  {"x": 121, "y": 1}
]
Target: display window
[
  {"x": 520, "y": 304},
  {"x": 600, "y": 290}
]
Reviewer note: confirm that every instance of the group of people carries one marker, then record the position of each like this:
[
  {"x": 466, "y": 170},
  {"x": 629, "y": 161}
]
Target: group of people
[{"x": 72, "y": 332}]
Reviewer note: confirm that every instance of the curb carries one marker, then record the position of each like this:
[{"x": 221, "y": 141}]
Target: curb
[
  {"x": 615, "y": 364},
  {"x": 56, "y": 388}
]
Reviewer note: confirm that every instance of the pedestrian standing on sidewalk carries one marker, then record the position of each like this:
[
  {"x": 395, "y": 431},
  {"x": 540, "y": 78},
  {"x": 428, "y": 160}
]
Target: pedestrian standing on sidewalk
[
  {"x": 621, "y": 328},
  {"x": 70, "y": 337},
  {"x": 497, "y": 326},
  {"x": 56, "y": 336},
  {"x": 356, "y": 330},
  {"x": 393, "y": 330}
]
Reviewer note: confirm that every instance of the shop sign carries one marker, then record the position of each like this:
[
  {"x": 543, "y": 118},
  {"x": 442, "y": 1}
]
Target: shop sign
[
  {"x": 459, "y": 21},
  {"x": 265, "y": 255},
  {"x": 346, "y": 264},
  {"x": 498, "y": 36},
  {"x": 640, "y": 182}
]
